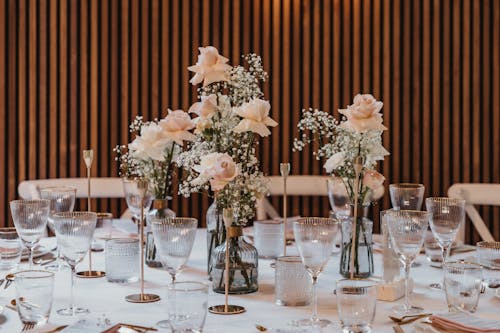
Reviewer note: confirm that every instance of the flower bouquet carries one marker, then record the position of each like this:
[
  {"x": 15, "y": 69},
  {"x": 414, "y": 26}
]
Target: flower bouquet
[
  {"x": 221, "y": 160},
  {"x": 351, "y": 148}
]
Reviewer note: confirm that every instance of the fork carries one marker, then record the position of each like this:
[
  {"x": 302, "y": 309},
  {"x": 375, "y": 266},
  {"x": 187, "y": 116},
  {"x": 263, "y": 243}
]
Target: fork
[{"x": 27, "y": 326}]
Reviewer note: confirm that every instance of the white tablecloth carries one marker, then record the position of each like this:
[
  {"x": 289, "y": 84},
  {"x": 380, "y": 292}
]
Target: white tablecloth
[{"x": 108, "y": 299}]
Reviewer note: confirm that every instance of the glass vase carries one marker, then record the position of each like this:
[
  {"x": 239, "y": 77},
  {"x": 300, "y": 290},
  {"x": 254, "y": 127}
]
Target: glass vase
[
  {"x": 243, "y": 265},
  {"x": 158, "y": 209},
  {"x": 216, "y": 233},
  {"x": 363, "y": 257}
]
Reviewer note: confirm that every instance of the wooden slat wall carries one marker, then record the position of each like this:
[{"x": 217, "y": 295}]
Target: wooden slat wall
[{"x": 74, "y": 73}]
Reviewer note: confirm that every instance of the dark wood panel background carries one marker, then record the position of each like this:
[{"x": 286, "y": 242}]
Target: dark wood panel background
[{"x": 74, "y": 73}]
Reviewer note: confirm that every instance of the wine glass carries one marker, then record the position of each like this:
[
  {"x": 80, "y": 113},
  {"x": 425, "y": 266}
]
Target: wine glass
[
  {"x": 338, "y": 197},
  {"x": 447, "y": 214},
  {"x": 407, "y": 196},
  {"x": 314, "y": 237},
  {"x": 30, "y": 220},
  {"x": 174, "y": 239},
  {"x": 62, "y": 199},
  {"x": 74, "y": 232},
  {"x": 406, "y": 231},
  {"x": 134, "y": 198}
]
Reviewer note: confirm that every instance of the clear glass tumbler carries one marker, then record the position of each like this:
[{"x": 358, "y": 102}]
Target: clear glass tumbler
[
  {"x": 11, "y": 249},
  {"x": 187, "y": 306},
  {"x": 122, "y": 260},
  {"x": 462, "y": 284},
  {"x": 268, "y": 238},
  {"x": 488, "y": 255},
  {"x": 356, "y": 304},
  {"x": 293, "y": 285},
  {"x": 34, "y": 291}
]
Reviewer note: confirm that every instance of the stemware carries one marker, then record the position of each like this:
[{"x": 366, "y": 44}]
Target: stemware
[
  {"x": 338, "y": 197},
  {"x": 135, "y": 198},
  {"x": 30, "y": 220},
  {"x": 406, "y": 231},
  {"x": 62, "y": 199},
  {"x": 174, "y": 239},
  {"x": 314, "y": 237},
  {"x": 74, "y": 232},
  {"x": 447, "y": 214},
  {"x": 407, "y": 196}
]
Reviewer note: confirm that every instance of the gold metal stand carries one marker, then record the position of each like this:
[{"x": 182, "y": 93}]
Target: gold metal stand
[
  {"x": 88, "y": 157},
  {"x": 142, "y": 185},
  {"x": 227, "y": 309},
  {"x": 285, "y": 171}
]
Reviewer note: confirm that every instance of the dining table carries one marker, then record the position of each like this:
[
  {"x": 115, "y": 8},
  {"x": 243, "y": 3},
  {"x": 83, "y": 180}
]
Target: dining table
[{"x": 107, "y": 304}]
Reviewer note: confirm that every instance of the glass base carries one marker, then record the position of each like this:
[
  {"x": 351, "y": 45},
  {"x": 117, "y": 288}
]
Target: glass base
[
  {"x": 311, "y": 323},
  {"x": 57, "y": 266},
  {"x": 356, "y": 329},
  {"x": 401, "y": 310},
  {"x": 71, "y": 311},
  {"x": 163, "y": 323}
]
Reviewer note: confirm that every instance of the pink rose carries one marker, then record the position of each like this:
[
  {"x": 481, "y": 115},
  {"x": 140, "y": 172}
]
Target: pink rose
[
  {"x": 373, "y": 179},
  {"x": 218, "y": 168},
  {"x": 176, "y": 126},
  {"x": 206, "y": 108},
  {"x": 210, "y": 67},
  {"x": 363, "y": 114},
  {"x": 255, "y": 116}
]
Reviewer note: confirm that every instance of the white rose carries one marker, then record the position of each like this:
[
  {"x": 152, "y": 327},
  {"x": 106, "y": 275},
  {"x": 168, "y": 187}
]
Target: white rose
[
  {"x": 255, "y": 116},
  {"x": 373, "y": 179},
  {"x": 210, "y": 67},
  {"x": 176, "y": 126},
  {"x": 334, "y": 161},
  {"x": 206, "y": 108},
  {"x": 218, "y": 168},
  {"x": 151, "y": 143},
  {"x": 363, "y": 114}
]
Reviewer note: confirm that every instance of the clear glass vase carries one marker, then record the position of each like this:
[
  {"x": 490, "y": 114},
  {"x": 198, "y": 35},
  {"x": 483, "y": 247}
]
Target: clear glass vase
[
  {"x": 159, "y": 209},
  {"x": 363, "y": 257},
  {"x": 243, "y": 265},
  {"x": 216, "y": 233}
]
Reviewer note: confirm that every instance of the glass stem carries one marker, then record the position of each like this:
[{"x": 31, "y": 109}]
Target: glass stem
[
  {"x": 173, "y": 278},
  {"x": 407, "y": 265},
  {"x": 31, "y": 257},
  {"x": 72, "y": 296},
  {"x": 446, "y": 250},
  {"x": 314, "y": 316}
]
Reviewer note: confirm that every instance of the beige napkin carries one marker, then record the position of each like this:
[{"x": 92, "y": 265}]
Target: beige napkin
[
  {"x": 464, "y": 322},
  {"x": 44, "y": 329}
]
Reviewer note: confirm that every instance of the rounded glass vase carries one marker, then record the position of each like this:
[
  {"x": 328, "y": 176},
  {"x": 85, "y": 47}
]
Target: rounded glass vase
[
  {"x": 216, "y": 233},
  {"x": 243, "y": 265},
  {"x": 362, "y": 263},
  {"x": 159, "y": 209}
]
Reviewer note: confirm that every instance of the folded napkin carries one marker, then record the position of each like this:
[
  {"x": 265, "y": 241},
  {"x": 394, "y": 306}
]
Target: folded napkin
[
  {"x": 464, "y": 322},
  {"x": 47, "y": 328}
]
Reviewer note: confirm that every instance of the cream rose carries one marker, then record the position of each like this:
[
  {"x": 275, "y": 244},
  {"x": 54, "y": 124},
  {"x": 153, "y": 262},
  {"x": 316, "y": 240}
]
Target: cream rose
[
  {"x": 334, "y": 161},
  {"x": 218, "y": 168},
  {"x": 210, "y": 67},
  {"x": 151, "y": 143},
  {"x": 373, "y": 179},
  {"x": 206, "y": 108},
  {"x": 176, "y": 126},
  {"x": 363, "y": 114},
  {"x": 255, "y": 116}
]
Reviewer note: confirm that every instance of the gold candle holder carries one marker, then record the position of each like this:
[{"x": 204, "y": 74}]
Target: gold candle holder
[
  {"x": 226, "y": 308},
  {"x": 88, "y": 157},
  {"x": 358, "y": 166},
  {"x": 142, "y": 185},
  {"x": 285, "y": 171}
]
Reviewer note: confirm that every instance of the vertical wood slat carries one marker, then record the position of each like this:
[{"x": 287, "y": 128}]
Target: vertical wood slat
[{"x": 76, "y": 73}]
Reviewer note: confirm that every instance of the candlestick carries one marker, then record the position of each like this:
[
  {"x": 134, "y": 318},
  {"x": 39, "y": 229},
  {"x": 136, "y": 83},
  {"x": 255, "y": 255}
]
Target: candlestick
[{"x": 285, "y": 171}]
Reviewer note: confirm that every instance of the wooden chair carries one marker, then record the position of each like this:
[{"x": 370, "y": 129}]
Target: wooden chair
[
  {"x": 476, "y": 194},
  {"x": 296, "y": 186},
  {"x": 100, "y": 187}
]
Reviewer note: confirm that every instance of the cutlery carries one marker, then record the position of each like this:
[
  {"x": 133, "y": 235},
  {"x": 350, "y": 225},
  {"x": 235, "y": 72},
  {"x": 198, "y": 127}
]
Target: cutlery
[
  {"x": 1, "y": 282},
  {"x": 44, "y": 262},
  {"x": 398, "y": 329},
  {"x": 57, "y": 329},
  {"x": 28, "y": 326},
  {"x": 409, "y": 318},
  {"x": 9, "y": 278},
  {"x": 260, "y": 328}
]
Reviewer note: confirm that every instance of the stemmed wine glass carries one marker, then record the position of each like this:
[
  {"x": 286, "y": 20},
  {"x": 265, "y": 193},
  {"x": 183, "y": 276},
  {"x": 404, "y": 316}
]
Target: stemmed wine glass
[
  {"x": 62, "y": 199},
  {"x": 74, "y": 231},
  {"x": 174, "y": 239},
  {"x": 406, "y": 231},
  {"x": 134, "y": 198},
  {"x": 447, "y": 214},
  {"x": 338, "y": 197},
  {"x": 314, "y": 237},
  {"x": 407, "y": 196},
  {"x": 30, "y": 220}
]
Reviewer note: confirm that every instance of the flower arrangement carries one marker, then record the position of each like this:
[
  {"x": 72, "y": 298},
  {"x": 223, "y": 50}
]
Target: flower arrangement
[
  {"x": 230, "y": 115},
  {"x": 153, "y": 153},
  {"x": 358, "y": 135}
]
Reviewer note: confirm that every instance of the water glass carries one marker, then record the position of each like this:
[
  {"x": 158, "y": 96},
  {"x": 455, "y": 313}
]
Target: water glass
[
  {"x": 462, "y": 284},
  {"x": 356, "y": 304},
  {"x": 432, "y": 250},
  {"x": 34, "y": 296},
  {"x": 187, "y": 306},
  {"x": 338, "y": 197},
  {"x": 11, "y": 249},
  {"x": 268, "y": 238},
  {"x": 293, "y": 286},
  {"x": 488, "y": 256},
  {"x": 391, "y": 263},
  {"x": 406, "y": 196},
  {"x": 122, "y": 260},
  {"x": 102, "y": 232}
]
